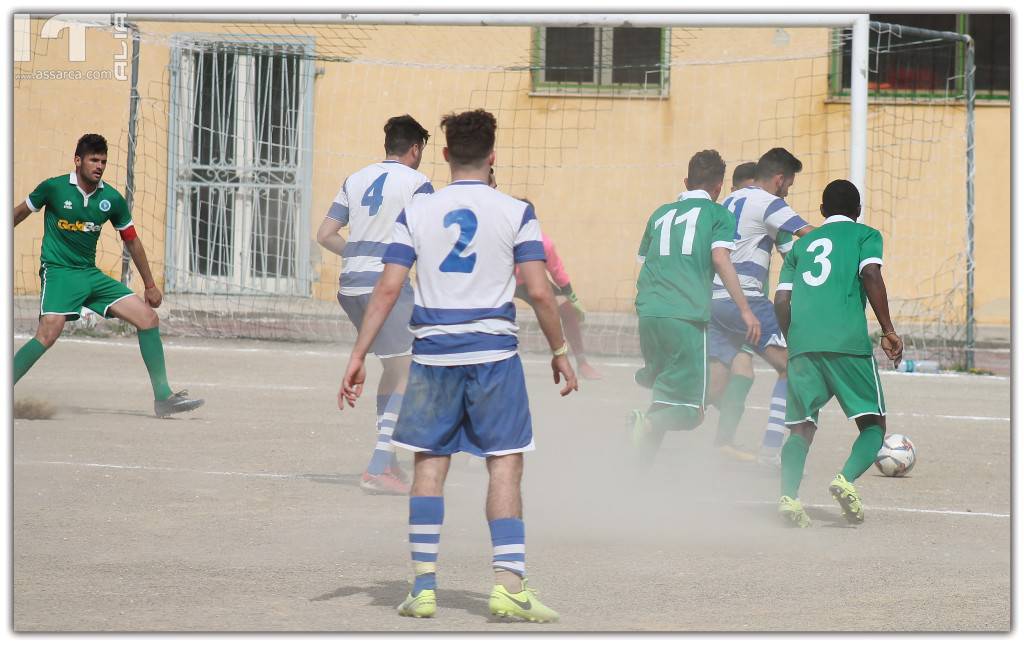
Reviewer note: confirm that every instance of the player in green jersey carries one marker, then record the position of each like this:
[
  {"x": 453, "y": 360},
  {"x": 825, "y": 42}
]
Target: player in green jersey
[
  {"x": 685, "y": 243},
  {"x": 824, "y": 284},
  {"x": 77, "y": 205}
]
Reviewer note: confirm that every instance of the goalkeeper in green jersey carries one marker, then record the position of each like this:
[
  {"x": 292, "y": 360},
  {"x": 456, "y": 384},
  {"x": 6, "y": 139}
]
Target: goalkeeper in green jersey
[
  {"x": 76, "y": 207},
  {"x": 825, "y": 282}
]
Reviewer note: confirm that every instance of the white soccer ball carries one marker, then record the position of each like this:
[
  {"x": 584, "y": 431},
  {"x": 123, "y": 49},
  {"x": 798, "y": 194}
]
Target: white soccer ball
[{"x": 897, "y": 456}]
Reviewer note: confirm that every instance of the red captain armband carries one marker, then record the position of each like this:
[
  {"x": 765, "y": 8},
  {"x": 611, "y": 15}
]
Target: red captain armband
[{"x": 128, "y": 233}]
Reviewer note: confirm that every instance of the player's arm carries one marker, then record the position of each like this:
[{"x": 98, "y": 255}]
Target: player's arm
[
  {"x": 720, "y": 258},
  {"x": 329, "y": 235},
  {"x": 874, "y": 287},
  {"x": 21, "y": 211},
  {"x": 543, "y": 301},
  {"x": 784, "y": 293},
  {"x": 152, "y": 293}
]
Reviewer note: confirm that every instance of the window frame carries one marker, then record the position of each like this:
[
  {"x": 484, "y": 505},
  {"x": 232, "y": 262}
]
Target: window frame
[
  {"x": 838, "y": 92},
  {"x": 603, "y": 87}
]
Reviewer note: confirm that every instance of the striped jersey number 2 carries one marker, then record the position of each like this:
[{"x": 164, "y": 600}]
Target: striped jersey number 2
[
  {"x": 666, "y": 223},
  {"x": 455, "y": 262},
  {"x": 821, "y": 258}
]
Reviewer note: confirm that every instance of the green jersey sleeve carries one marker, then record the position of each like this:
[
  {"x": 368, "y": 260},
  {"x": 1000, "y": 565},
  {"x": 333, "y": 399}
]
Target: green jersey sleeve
[
  {"x": 870, "y": 248},
  {"x": 787, "y": 272},
  {"x": 37, "y": 198},
  {"x": 119, "y": 215},
  {"x": 645, "y": 242}
]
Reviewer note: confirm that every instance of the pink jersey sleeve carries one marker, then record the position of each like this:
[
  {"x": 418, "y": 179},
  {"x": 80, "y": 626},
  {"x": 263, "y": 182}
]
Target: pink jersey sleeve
[{"x": 554, "y": 263}]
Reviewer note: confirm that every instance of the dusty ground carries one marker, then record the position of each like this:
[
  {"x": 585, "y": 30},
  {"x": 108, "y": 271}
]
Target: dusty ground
[{"x": 245, "y": 514}]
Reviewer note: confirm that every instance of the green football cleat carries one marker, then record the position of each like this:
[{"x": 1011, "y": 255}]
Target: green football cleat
[
  {"x": 422, "y": 605},
  {"x": 792, "y": 511},
  {"x": 524, "y": 605},
  {"x": 844, "y": 493}
]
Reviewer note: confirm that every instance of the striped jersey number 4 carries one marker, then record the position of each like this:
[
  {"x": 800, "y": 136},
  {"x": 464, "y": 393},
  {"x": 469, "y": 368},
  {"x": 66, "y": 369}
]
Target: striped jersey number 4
[
  {"x": 821, "y": 258},
  {"x": 666, "y": 222}
]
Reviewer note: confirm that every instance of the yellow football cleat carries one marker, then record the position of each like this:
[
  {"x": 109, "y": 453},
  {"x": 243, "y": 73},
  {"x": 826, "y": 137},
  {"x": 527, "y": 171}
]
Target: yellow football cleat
[
  {"x": 422, "y": 605},
  {"x": 525, "y": 605},
  {"x": 792, "y": 511},
  {"x": 730, "y": 451},
  {"x": 844, "y": 493}
]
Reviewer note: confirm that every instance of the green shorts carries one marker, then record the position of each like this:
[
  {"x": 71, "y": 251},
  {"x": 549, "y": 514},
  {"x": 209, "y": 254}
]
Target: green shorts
[
  {"x": 64, "y": 291},
  {"x": 675, "y": 361},
  {"x": 814, "y": 378}
]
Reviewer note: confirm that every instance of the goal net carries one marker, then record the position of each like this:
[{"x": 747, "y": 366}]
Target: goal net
[{"x": 243, "y": 132}]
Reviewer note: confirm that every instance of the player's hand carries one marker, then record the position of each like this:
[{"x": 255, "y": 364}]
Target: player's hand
[
  {"x": 580, "y": 312},
  {"x": 753, "y": 327},
  {"x": 892, "y": 345},
  {"x": 561, "y": 367},
  {"x": 352, "y": 383},
  {"x": 153, "y": 296}
]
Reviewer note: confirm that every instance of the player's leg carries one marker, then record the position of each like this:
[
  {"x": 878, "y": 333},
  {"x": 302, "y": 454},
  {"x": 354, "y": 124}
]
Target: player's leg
[
  {"x": 732, "y": 374},
  {"x": 775, "y": 429},
  {"x": 393, "y": 345},
  {"x": 61, "y": 294},
  {"x": 426, "y": 516},
  {"x": 808, "y": 393},
  {"x": 855, "y": 381},
  {"x": 47, "y": 332},
  {"x": 112, "y": 299},
  {"x": 430, "y": 425}
]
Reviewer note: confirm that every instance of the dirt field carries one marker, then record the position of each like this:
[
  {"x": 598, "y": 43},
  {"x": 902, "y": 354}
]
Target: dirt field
[{"x": 245, "y": 515}]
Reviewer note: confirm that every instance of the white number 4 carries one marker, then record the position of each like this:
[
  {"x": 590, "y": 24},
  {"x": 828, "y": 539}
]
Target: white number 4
[
  {"x": 690, "y": 217},
  {"x": 821, "y": 258}
]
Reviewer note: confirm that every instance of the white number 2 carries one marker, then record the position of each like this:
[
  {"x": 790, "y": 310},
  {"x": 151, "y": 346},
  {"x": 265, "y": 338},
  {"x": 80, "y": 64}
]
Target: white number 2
[
  {"x": 825, "y": 245},
  {"x": 690, "y": 217}
]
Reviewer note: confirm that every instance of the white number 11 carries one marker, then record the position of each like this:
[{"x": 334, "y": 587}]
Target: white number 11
[{"x": 690, "y": 217}]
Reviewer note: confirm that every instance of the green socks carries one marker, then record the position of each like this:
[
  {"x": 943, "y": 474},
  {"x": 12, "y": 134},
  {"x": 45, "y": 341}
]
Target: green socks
[
  {"x": 865, "y": 450},
  {"x": 730, "y": 408},
  {"x": 26, "y": 357},
  {"x": 153, "y": 355},
  {"x": 794, "y": 454}
]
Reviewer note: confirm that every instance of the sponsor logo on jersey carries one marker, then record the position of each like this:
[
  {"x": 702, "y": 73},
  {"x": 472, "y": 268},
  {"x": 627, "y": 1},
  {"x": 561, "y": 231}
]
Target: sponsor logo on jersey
[
  {"x": 105, "y": 205},
  {"x": 67, "y": 204},
  {"x": 79, "y": 227}
]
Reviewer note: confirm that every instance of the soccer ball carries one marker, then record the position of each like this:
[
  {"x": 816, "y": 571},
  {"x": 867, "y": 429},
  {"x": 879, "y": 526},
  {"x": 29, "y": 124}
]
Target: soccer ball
[{"x": 897, "y": 456}]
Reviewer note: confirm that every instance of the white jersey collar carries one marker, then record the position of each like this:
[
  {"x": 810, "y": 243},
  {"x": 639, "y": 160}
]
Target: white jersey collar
[
  {"x": 73, "y": 178},
  {"x": 694, "y": 194},
  {"x": 838, "y": 218}
]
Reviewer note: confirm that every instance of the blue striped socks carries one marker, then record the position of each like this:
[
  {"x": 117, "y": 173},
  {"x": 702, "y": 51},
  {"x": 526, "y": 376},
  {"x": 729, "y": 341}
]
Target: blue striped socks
[
  {"x": 426, "y": 515},
  {"x": 775, "y": 431},
  {"x": 388, "y": 406},
  {"x": 508, "y": 537}
]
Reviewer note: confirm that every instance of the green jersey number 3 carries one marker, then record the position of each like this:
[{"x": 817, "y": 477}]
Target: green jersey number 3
[
  {"x": 666, "y": 223},
  {"x": 821, "y": 258}
]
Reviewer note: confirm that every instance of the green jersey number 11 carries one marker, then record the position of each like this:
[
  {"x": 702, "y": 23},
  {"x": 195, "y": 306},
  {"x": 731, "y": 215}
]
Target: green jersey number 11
[{"x": 666, "y": 223}]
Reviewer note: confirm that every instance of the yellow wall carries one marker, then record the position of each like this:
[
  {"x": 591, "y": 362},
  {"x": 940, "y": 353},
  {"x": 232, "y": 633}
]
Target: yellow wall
[{"x": 595, "y": 167}]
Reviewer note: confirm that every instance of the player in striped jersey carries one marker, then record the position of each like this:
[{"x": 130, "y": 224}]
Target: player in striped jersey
[
  {"x": 369, "y": 203},
  {"x": 762, "y": 219},
  {"x": 466, "y": 390}
]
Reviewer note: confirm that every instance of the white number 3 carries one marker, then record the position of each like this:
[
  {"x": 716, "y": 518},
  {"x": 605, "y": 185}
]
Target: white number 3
[{"x": 825, "y": 245}]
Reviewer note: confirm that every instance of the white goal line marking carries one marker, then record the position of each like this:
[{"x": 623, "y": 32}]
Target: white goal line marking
[{"x": 295, "y": 476}]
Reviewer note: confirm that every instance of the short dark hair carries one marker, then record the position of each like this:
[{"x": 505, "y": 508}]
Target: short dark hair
[
  {"x": 401, "y": 132},
  {"x": 840, "y": 197},
  {"x": 91, "y": 144},
  {"x": 470, "y": 136},
  {"x": 706, "y": 169},
  {"x": 743, "y": 173},
  {"x": 777, "y": 161}
]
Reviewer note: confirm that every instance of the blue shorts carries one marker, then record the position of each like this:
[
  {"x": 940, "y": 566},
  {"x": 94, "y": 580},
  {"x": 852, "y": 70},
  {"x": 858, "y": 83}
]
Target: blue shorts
[
  {"x": 394, "y": 338},
  {"x": 727, "y": 332},
  {"x": 481, "y": 409}
]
